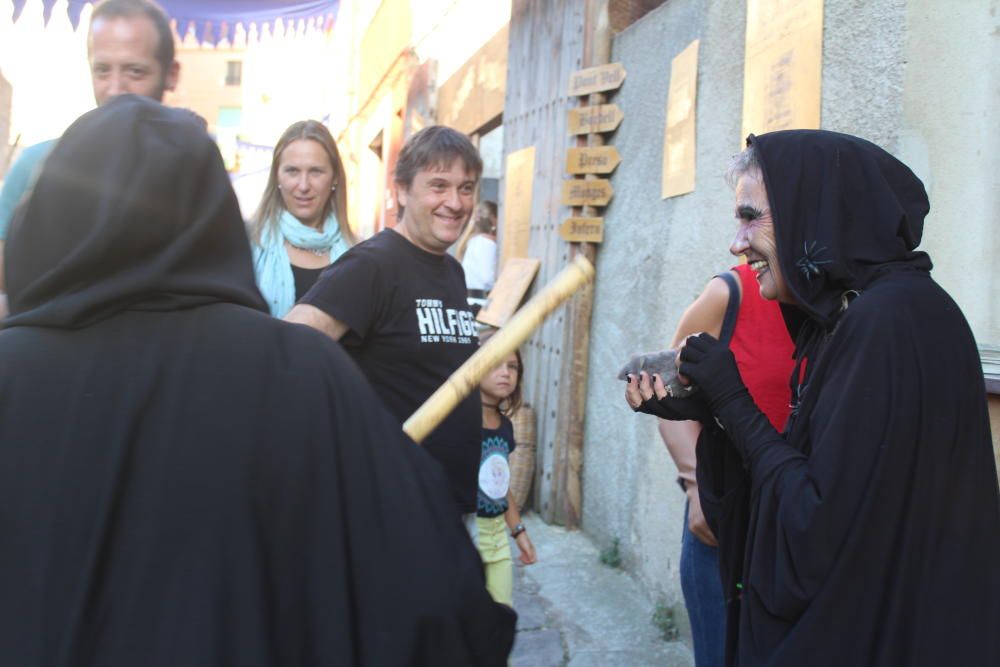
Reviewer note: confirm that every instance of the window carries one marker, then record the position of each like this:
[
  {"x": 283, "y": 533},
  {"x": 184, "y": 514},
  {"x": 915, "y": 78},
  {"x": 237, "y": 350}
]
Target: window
[{"x": 234, "y": 72}]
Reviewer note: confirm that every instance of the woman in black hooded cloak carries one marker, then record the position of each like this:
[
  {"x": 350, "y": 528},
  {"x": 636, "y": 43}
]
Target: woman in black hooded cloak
[
  {"x": 868, "y": 533},
  {"x": 185, "y": 480}
]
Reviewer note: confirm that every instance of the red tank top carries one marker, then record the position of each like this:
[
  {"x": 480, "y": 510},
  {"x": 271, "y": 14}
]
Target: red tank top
[{"x": 763, "y": 349}]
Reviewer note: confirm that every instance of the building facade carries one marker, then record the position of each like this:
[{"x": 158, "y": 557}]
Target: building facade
[{"x": 907, "y": 75}]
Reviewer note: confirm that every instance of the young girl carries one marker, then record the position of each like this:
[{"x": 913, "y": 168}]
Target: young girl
[{"x": 501, "y": 396}]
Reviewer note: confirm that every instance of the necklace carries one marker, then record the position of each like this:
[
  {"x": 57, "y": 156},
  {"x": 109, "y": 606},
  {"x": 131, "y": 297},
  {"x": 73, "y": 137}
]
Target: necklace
[{"x": 319, "y": 252}]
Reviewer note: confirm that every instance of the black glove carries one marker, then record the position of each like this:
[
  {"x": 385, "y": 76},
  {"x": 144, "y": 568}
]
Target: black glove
[
  {"x": 711, "y": 366},
  {"x": 676, "y": 409}
]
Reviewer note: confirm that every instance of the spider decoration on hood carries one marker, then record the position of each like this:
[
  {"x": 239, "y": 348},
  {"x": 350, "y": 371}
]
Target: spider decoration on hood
[{"x": 809, "y": 264}]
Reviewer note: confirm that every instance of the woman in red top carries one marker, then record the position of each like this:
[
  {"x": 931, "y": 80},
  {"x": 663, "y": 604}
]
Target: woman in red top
[{"x": 763, "y": 351}]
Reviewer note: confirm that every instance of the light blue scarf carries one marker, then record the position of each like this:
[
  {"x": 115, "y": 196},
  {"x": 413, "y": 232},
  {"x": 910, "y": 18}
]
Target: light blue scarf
[{"x": 271, "y": 265}]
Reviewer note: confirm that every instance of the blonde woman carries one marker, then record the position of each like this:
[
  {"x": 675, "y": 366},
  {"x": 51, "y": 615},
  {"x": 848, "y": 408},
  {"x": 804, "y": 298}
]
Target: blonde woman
[{"x": 300, "y": 226}]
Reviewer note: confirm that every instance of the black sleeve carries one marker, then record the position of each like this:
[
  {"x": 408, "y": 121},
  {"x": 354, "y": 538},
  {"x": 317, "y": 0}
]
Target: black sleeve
[{"x": 349, "y": 291}]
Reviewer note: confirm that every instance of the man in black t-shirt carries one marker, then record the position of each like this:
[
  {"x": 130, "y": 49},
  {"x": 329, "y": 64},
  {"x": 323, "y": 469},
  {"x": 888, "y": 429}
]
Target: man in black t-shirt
[{"x": 397, "y": 302}]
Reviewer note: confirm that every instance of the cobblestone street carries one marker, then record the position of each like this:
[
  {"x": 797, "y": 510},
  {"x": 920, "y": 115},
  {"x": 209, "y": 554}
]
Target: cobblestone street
[{"x": 576, "y": 612}]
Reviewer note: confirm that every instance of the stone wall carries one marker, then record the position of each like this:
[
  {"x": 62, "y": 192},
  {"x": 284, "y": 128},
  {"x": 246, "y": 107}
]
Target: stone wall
[{"x": 908, "y": 75}]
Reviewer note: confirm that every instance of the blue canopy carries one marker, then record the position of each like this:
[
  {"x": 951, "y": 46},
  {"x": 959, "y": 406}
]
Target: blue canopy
[{"x": 210, "y": 16}]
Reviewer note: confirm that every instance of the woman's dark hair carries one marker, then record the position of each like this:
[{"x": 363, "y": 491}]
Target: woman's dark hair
[{"x": 515, "y": 400}]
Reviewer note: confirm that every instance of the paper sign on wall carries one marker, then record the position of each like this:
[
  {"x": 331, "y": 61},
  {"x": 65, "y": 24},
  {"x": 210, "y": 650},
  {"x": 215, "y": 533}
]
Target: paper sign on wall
[
  {"x": 679, "y": 135},
  {"x": 519, "y": 178},
  {"x": 783, "y": 65}
]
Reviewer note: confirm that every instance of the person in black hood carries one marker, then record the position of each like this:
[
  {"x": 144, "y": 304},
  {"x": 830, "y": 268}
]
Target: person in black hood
[
  {"x": 868, "y": 532},
  {"x": 186, "y": 480}
]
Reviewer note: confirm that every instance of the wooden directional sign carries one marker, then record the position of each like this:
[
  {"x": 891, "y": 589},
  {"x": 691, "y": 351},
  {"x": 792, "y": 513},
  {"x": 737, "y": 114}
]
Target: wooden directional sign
[
  {"x": 578, "y": 192},
  {"x": 597, "y": 160},
  {"x": 583, "y": 230},
  {"x": 596, "y": 79},
  {"x": 600, "y": 118}
]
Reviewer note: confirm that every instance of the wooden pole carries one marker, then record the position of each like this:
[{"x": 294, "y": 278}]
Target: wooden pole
[
  {"x": 568, "y": 469},
  {"x": 463, "y": 381}
]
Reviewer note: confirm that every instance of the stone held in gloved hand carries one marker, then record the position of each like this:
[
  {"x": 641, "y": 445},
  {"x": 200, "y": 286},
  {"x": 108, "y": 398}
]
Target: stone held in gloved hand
[
  {"x": 711, "y": 366},
  {"x": 661, "y": 363}
]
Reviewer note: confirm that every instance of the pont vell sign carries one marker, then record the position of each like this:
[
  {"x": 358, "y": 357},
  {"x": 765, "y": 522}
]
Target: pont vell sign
[
  {"x": 578, "y": 192},
  {"x": 600, "y": 118},
  {"x": 596, "y": 79},
  {"x": 597, "y": 160},
  {"x": 583, "y": 230}
]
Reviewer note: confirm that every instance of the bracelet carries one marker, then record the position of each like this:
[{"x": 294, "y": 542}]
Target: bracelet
[{"x": 517, "y": 530}]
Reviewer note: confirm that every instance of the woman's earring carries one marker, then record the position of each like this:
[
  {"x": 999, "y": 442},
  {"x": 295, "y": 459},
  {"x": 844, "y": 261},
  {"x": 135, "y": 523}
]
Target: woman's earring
[{"x": 334, "y": 188}]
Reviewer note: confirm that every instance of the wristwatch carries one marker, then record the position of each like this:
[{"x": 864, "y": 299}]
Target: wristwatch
[{"x": 517, "y": 530}]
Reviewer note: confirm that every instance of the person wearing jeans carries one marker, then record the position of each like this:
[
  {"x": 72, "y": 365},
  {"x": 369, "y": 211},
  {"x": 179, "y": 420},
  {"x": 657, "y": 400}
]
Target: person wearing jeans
[{"x": 730, "y": 307}]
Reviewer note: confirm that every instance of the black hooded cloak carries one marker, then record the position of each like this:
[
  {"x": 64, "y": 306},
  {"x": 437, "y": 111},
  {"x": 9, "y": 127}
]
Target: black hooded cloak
[
  {"x": 869, "y": 532},
  {"x": 186, "y": 480}
]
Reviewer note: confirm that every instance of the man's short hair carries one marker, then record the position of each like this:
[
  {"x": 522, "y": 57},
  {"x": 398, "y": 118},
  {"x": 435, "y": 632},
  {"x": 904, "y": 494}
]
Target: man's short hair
[
  {"x": 435, "y": 146},
  {"x": 109, "y": 9}
]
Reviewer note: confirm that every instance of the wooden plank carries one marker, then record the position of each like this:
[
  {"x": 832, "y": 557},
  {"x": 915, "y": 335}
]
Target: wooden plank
[
  {"x": 586, "y": 230},
  {"x": 595, "y": 192},
  {"x": 519, "y": 180},
  {"x": 596, "y": 160},
  {"x": 511, "y": 286},
  {"x": 590, "y": 120},
  {"x": 596, "y": 79}
]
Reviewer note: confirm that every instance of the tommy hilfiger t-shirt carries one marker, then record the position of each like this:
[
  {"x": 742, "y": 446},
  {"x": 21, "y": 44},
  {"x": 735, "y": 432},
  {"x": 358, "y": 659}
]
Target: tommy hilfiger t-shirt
[{"x": 410, "y": 329}]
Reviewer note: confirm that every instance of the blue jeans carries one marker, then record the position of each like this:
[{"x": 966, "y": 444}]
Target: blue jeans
[{"x": 706, "y": 607}]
